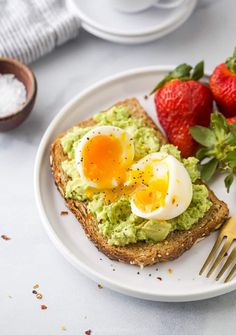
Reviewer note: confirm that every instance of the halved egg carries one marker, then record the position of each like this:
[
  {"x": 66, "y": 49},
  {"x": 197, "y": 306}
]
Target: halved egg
[
  {"x": 164, "y": 187},
  {"x": 103, "y": 156}
]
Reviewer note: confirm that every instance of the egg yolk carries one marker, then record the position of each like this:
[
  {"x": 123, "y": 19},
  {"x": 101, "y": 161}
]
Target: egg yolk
[
  {"x": 151, "y": 197},
  {"x": 151, "y": 191},
  {"x": 103, "y": 161}
]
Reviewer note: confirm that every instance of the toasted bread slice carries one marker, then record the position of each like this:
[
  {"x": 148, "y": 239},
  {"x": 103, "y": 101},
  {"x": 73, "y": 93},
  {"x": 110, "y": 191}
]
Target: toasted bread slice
[{"x": 141, "y": 253}]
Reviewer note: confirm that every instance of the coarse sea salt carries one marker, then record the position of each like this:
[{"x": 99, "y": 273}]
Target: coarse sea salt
[{"x": 12, "y": 94}]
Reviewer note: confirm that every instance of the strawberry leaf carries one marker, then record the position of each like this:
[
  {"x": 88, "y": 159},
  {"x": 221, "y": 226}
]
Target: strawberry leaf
[
  {"x": 203, "y": 135},
  {"x": 229, "y": 181},
  {"x": 232, "y": 127},
  {"x": 181, "y": 71},
  {"x": 231, "y": 159},
  {"x": 202, "y": 153},
  {"x": 231, "y": 62},
  {"x": 230, "y": 138},
  {"x": 219, "y": 125},
  {"x": 208, "y": 169},
  {"x": 198, "y": 71},
  {"x": 161, "y": 83}
]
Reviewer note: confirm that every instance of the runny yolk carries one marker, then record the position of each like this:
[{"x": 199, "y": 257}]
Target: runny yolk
[
  {"x": 103, "y": 161},
  {"x": 151, "y": 197},
  {"x": 153, "y": 190}
]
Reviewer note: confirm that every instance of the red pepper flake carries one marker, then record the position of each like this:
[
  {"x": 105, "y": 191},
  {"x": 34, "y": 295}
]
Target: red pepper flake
[
  {"x": 63, "y": 213},
  {"x": 159, "y": 278},
  {"x": 43, "y": 307},
  {"x": 145, "y": 97},
  {"x": 5, "y": 237},
  {"x": 88, "y": 332},
  {"x": 100, "y": 286}
]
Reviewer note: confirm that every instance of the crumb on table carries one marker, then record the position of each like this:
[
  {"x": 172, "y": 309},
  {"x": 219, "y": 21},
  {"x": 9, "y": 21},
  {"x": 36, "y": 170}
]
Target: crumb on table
[
  {"x": 5, "y": 237},
  {"x": 63, "y": 213}
]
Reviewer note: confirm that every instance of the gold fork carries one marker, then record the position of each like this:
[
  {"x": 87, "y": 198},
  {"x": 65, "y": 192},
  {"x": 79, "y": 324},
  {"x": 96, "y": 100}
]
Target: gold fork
[{"x": 228, "y": 234}]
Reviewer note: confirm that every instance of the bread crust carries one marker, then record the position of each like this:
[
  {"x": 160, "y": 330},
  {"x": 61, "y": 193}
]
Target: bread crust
[{"x": 140, "y": 253}]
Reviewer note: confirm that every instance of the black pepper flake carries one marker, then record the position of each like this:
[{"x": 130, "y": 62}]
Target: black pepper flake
[
  {"x": 150, "y": 274},
  {"x": 138, "y": 273},
  {"x": 113, "y": 269},
  {"x": 88, "y": 332},
  {"x": 159, "y": 278},
  {"x": 34, "y": 292},
  {"x": 145, "y": 97}
]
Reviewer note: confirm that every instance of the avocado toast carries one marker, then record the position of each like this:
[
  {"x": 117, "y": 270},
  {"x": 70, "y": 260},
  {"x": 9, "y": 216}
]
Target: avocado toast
[{"x": 139, "y": 252}]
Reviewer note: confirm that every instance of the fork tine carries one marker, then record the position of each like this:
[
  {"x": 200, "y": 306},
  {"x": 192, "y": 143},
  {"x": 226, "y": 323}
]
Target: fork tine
[
  {"x": 212, "y": 253},
  {"x": 230, "y": 275},
  {"x": 220, "y": 256},
  {"x": 227, "y": 263}
]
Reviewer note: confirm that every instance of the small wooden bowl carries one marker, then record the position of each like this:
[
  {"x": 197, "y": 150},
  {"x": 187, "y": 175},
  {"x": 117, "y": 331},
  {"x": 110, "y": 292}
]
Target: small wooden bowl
[{"x": 27, "y": 77}]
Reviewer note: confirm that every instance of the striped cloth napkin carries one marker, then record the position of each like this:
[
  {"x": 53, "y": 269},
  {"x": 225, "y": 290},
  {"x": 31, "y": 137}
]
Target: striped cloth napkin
[{"x": 31, "y": 28}]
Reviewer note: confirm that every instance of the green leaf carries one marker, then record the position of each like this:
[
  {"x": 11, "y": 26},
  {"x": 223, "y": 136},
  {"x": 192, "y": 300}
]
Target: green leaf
[
  {"x": 231, "y": 159},
  {"x": 208, "y": 169},
  {"x": 203, "y": 135},
  {"x": 182, "y": 70},
  {"x": 161, "y": 83},
  {"x": 198, "y": 71},
  {"x": 232, "y": 126},
  {"x": 231, "y": 62},
  {"x": 202, "y": 153},
  {"x": 229, "y": 181},
  {"x": 219, "y": 125},
  {"x": 230, "y": 139}
]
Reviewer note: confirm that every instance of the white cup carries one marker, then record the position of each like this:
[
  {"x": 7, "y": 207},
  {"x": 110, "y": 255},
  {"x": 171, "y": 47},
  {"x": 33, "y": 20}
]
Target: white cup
[{"x": 135, "y": 6}]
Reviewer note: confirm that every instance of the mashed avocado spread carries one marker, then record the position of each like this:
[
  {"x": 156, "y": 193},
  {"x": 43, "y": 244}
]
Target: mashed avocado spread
[{"x": 116, "y": 220}]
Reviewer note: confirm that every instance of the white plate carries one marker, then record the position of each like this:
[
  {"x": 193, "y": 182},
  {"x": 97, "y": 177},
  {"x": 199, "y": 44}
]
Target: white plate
[
  {"x": 100, "y": 15},
  {"x": 183, "y": 284},
  {"x": 136, "y": 39}
]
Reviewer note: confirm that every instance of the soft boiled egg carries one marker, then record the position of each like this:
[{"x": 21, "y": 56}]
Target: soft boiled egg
[
  {"x": 164, "y": 187},
  {"x": 103, "y": 156}
]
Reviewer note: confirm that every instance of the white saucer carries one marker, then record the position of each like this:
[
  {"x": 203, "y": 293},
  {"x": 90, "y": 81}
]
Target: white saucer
[
  {"x": 140, "y": 38},
  {"x": 99, "y": 16}
]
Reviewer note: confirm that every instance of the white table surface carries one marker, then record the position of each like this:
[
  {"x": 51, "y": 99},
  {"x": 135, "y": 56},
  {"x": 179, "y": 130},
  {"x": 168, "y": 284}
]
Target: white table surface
[{"x": 29, "y": 258}]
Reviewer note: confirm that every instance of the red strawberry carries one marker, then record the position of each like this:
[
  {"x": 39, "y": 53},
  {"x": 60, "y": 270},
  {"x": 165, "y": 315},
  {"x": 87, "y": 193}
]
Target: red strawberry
[
  {"x": 181, "y": 102},
  {"x": 231, "y": 119},
  {"x": 223, "y": 86}
]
